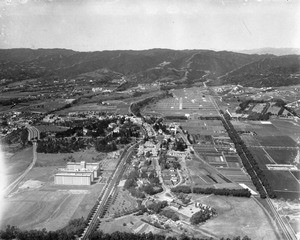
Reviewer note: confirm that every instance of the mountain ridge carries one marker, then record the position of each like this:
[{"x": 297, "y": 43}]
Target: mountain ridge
[{"x": 185, "y": 66}]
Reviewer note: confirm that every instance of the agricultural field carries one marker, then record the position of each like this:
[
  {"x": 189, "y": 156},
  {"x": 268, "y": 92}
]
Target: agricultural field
[
  {"x": 261, "y": 157},
  {"x": 283, "y": 156},
  {"x": 235, "y": 175},
  {"x": 276, "y": 141},
  {"x": 284, "y": 183},
  {"x": 203, "y": 174},
  {"x": 296, "y": 175}
]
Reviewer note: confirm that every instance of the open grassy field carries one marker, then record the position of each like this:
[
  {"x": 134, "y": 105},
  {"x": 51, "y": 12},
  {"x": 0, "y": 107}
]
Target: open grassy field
[
  {"x": 237, "y": 217},
  {"x": 288, "y": 127},
  {"x": 38, "y": 203},
  {"x": 128, "y": 224},
  {"x": 261, "y": 157},
  {"x": 258, "y": 127},
  {"x": 17, "y": 163},
  {"x": 61, "y": 159},
  {"x": 89, "y": 107}
]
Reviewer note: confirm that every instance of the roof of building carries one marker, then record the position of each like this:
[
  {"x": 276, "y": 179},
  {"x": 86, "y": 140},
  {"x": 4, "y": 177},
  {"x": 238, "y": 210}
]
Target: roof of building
[{"x": 74, "y": 174}]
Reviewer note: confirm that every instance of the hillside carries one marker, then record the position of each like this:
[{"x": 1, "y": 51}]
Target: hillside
[
  {"x": 274, "y": 51},
  {"x": 271, "y": 71},
  {"x": 146, "y": 66}
]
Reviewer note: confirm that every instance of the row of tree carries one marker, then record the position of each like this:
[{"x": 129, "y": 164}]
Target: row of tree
[
  {"x": 74, "y": 229},
  {"x": 99, "y": 235},
  {"x": 216, "y": 191},
  {"x": 256, "y": 174}
]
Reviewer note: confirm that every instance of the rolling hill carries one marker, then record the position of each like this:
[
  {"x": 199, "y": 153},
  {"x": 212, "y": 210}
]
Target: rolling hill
[
  {"x": 271, "y": 71},
  {"x": 161, "y": 65}
]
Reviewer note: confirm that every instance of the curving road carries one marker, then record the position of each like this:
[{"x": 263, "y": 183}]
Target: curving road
[
  {"x": 33, "y": 133},
  {"x": 10, "y": 188}
]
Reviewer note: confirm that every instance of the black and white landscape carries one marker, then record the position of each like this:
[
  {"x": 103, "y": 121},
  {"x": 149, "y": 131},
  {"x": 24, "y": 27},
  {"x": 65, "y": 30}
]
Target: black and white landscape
[{"x": 126, "y": 119}]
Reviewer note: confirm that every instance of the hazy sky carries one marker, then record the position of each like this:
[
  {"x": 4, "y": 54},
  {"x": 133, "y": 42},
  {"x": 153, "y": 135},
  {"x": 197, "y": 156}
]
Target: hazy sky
[{"x": 89, "y": 25}]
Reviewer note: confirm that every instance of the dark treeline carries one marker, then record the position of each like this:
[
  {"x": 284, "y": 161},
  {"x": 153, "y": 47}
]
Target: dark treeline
[
  {"x": 216, "y": 191},
  {"x": 137, "y": 106},
  {"x": 71, "y": 232},
  {"x": 257, "y": 175},
  {"x": 149, "y": 236},
  {"x": 175, "y": 117},
  {"x": 63, "y": 145}
]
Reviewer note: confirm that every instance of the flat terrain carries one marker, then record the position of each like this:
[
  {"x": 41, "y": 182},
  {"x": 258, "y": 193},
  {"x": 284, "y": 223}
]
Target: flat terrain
[
  {"x": 38, "y": 203},
  {"x": 17, "y": 163},
  {"x": 237, "y": 217},
  {"x": 61, "y": 159}
]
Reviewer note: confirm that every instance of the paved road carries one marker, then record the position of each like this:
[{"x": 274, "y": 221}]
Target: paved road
[
  {"x": 33, "y": 132},
  {"x": 10, "y": 188}
]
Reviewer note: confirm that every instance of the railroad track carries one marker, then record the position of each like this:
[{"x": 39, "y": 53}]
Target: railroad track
[{"x": 107, "y": 193}]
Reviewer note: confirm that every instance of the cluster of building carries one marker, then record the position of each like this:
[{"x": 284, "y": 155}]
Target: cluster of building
[
  {"x": 77, "y": 173},
  {"x": 148, "y": 148}
]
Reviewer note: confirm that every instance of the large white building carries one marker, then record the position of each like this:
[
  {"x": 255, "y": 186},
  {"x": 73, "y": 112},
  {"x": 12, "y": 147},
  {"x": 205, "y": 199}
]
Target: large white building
[{"x": 80, "y": 173}]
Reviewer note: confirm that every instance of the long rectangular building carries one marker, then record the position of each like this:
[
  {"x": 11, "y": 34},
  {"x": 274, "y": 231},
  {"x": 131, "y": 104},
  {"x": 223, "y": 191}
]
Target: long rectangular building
[{"x": 68, "y": 178}]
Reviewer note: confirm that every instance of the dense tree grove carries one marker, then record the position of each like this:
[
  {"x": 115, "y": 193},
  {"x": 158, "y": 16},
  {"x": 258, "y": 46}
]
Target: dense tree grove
[
  {"x": 153, "y": 186},
  {"x": 170, "y": 214},
  {"x": 71, "y": 140},
  {"x": 63, "y": 234},
  {"x": 24, "y": 136},
  {"x": 62, "y": 145},
  {"x": 216, "y": 191},
  {"x": 156, "y": 207},
  {"x": 201, "y": 216},
  {"x": 74, "y": 228}
]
